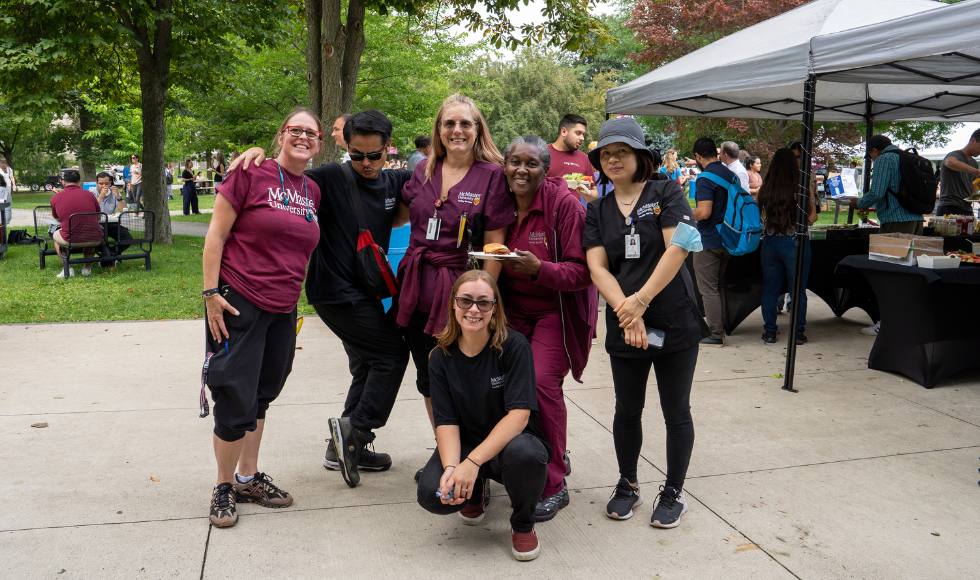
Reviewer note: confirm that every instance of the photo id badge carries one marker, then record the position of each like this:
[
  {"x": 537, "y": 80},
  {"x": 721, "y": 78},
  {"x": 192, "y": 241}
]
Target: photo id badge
[
  {"x": 633, "y": 246},
  {"x": 432, "y": 233}
]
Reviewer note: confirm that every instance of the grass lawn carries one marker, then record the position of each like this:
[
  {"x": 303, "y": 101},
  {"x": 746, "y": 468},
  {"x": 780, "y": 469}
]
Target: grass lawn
[
  {"x": 171, "y": 289},
  {"x": 204, "y": 218}
]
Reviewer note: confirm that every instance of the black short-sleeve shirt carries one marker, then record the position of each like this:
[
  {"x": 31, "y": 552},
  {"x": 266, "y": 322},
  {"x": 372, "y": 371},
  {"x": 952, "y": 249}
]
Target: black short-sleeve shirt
[
  {"x": 332, "y": 276},
  {"x": 660, "y": 205},
  {"x": 475, "y": 393}
]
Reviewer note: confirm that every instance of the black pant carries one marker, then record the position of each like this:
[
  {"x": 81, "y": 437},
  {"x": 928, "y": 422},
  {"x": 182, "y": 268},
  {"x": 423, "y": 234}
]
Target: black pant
[
  {"x": 522, "y": 467},
  {"x": 190, "y": 198},
  {"x": 120, "y": 234},
  {"x": 675, "y": 373},
  {"x": 421, "y": 344},
  {"x": 377, "y": 354},
  {"x": 248, "y": 370}
]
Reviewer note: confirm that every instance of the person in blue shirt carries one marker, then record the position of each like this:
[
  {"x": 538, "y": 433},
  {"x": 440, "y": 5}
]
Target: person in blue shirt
[
  {"x": 885, "y": 179},
  {"x": 709, "y": 264}
]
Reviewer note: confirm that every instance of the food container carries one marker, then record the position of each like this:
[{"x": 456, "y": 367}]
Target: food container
[
  {"x": 572, "y": 183},
  {"x": 938, "y": 262},
  {"x": 902, "y": 249}
]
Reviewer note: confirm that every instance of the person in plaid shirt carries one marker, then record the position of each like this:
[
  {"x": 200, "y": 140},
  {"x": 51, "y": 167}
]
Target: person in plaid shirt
[{"x": 894, "y": 218}]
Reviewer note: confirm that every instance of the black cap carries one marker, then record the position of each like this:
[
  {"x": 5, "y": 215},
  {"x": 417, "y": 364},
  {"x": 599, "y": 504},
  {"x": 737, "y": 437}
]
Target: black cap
[
  {"x": 620, "y": 130},
  {"x": 878, "y": 143}
]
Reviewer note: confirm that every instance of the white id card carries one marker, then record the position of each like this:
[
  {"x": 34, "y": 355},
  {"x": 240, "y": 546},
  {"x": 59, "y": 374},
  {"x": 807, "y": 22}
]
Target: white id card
[
  {"x": 432, "y": 233},
  {"x": 633, "y": 246}
]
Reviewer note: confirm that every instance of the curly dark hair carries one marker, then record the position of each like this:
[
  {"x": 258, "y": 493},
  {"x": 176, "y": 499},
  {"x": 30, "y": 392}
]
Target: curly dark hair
[{"x": 779, "y": 193}]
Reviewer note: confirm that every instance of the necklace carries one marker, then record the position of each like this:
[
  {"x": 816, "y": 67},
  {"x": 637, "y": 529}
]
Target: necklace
[
  {"x": 306, "y": 195},
  {"x": 629, "y": 218}
]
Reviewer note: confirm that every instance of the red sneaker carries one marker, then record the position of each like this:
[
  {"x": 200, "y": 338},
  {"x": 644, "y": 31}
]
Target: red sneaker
[
  {"x": 525, "y": 545},
  {"x": 473, "y": 513}
]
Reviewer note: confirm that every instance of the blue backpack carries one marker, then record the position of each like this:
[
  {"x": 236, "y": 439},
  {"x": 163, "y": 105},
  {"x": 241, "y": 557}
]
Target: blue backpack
[{"x": 742, "y": 227}]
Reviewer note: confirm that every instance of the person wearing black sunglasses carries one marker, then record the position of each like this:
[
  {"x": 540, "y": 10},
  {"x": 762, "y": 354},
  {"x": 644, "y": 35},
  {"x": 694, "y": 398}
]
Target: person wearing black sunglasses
[
  {"x": 484, "y": 405},
  {"x": 378, "y": 354}
]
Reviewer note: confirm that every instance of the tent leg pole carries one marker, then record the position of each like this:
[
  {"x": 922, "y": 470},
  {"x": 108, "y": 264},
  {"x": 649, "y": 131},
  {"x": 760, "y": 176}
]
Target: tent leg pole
[{"x": 809, "y": 105}]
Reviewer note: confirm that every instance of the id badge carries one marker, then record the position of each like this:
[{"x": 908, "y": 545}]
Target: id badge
[
  {"x": 432, "y": 232},
  {"x": 633, "y": 246}
]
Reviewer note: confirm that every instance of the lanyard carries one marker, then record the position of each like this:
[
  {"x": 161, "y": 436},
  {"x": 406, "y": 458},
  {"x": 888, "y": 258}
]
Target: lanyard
[{"x": 306, "y": 195}]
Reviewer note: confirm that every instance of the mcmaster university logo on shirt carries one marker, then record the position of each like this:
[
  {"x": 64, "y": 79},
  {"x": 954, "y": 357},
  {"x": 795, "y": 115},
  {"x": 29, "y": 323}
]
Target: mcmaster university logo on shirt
[
  {"x": 292, "y": 201},
  {"x": 497, "y": 382}
]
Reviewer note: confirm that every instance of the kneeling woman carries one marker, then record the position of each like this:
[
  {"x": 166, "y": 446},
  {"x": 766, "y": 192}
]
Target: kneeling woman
[
  {"x": 484, "y": 403},
  {"x": 262, "y": 233}
]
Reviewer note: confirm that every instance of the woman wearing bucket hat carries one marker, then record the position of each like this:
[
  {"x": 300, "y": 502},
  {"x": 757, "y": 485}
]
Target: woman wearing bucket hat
[{"x": 636, "y": 242}]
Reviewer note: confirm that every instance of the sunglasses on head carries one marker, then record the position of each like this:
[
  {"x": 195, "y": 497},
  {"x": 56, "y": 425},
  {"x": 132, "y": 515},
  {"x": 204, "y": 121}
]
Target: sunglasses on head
[
  {"x": 464, "y": 124},
  {"x": 299, "y": 132},
  {"x": 373, "y": 156}
]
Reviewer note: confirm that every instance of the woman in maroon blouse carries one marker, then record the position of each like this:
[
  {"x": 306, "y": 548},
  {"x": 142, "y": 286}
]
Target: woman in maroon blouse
[
  {"x": 456, "y": 201},
  {"x": 549, "y": 295}
]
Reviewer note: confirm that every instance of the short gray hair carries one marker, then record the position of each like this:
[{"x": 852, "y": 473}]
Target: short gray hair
[
  {"x": 534, "y": 141},
  {"x": 730, "y": 148}
]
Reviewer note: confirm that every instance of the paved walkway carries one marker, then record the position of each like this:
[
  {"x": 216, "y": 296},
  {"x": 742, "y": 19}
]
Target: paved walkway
[{"x": 862, "y": 474}]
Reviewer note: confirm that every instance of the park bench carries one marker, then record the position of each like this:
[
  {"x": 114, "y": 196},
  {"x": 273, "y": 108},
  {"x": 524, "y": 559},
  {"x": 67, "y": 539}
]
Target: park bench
[{"x": 136, "y": 228}]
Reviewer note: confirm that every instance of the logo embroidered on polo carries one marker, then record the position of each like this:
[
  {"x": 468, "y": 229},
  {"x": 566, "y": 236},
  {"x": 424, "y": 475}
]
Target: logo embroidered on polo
[
  {"x": 647, "y": 209},
  {"x": 468, "y": 197},
  {"x": 497, "y": 382},
  {"x": 536, "y": 238}
]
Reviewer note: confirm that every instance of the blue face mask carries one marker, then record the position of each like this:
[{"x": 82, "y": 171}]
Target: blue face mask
[{"x": 686, "y": 237}]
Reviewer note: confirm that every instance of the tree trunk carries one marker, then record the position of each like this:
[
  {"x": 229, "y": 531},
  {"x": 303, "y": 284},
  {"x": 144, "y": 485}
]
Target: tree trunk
[
  {"x": 153, "y": 57},
  {"x": 86, "y": 164},
  {"x": 339, "y": 48}
]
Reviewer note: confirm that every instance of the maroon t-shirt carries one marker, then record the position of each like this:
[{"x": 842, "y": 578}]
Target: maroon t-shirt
[
  {"x": 482, "y": 190},
  {"x": 565, "y": 162},
  {"x": 72, "y": 200},
  {"x": 270, "y": 243}
]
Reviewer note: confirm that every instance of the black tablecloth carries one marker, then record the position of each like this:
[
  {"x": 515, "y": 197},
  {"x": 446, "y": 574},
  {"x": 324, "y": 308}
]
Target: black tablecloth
[
  {"x": 928, "y": 319},
  {"x": 840, "y": 290}
]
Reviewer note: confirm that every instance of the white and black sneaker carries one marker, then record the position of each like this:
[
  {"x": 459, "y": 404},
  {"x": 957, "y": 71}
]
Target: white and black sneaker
[
  {"x": 671, "y": 505},
  {"x": 370, "y": 460},
  {"x": 623, "y": 499},
  {"x": 349, "y": 442}
]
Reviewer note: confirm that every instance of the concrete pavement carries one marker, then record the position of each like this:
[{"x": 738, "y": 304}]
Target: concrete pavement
[
  {"x": 862, "y": 474},
  {"x": 24, "y": 218}
]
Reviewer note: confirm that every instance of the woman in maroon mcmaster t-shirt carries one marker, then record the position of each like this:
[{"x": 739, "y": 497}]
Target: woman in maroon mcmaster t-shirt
[{"x": 262, "y": 233}]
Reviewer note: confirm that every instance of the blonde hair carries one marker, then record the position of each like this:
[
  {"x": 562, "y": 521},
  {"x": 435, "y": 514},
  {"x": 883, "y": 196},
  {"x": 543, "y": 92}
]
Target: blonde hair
[
  {"x": 498, "y": 322},
  {"x": 275, "y": 140},
  {"x": 483, "y": 148},
  {"x": 670, "y": 161}
]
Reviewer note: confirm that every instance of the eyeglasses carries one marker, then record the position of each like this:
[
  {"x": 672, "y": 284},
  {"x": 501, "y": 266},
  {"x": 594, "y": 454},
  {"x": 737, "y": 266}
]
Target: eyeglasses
[
  {"x": 464, "y": 124},
  {"x": 464, "y": 303},
  {"x": 299, "y": 132},
  {"x": 373, "y": 156}
]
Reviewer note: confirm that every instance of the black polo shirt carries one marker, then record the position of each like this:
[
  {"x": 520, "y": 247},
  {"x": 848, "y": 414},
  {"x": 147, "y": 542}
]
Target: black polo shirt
[
  {"x": 660, "y": 205},
  {"x": 332, "y": 277},
  {"x": 475, "y": 393}
]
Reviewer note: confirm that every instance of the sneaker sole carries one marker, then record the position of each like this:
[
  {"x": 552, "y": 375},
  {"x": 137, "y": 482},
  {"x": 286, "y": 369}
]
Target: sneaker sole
[
  {"x": 334, "y": 466},
  {"x": 616, "y": 516},
  {"x": 472, "y": 521},
  {"x": 224, "y": 525},
  {"x": 338, "y": 440},
  {"x": 263, "y": 503},
  {"x": 526, "y": 556},
  {"x": 657, "y": 524}
]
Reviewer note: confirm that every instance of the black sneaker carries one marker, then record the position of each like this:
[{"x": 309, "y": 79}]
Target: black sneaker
[
  {"x": 671, "y": 505},
  {"x": 801, "y": 338},
  {"x": 568, "y": 463},
  {"x": 768, "y": 337},
  {"x": 624, "y": 498},
  {"x": 223, "y": 513},
  {"x": 370, "y": 460},
  {"x": 350, "y": 443},
  {"x": 548, "y": 507},
  {"x": 712, "y": 341}
]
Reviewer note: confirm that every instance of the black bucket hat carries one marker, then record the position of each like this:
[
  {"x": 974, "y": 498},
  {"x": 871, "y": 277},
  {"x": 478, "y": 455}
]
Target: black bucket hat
[{"x": 620, "y": 130}]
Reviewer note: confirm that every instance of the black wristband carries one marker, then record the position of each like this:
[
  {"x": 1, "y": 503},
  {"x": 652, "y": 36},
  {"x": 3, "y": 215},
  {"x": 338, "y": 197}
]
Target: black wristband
[
  {"x": 473, "y": 462},
  {"x": 210, "y": 292}
]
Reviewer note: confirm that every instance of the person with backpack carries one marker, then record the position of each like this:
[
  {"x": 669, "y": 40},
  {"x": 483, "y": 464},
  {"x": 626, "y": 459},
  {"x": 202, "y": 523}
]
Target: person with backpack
[
  {"x": 885, "y": 185},
  {"x": 709, "y": 264}
]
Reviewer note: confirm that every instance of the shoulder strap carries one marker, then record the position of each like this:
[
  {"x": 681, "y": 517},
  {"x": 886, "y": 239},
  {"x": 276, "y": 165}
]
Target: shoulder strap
[
  {"x": 355, "y": 195},
  {"x": 717, "y": 179}
]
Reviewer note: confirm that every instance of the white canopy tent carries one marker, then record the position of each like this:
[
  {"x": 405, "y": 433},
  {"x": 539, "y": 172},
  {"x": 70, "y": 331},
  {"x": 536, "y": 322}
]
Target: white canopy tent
[{"x": 828, "y": 60}]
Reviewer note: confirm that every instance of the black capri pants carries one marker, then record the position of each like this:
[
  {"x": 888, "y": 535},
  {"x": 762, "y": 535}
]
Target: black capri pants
[
  {"x": 248, "y": 371},
  {"x": 421, "y": 345}
]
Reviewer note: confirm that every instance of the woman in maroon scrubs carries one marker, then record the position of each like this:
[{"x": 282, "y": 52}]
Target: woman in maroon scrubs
[
  {"x": 456, "y": 201},
  {"x": 549, "y": 295}
]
